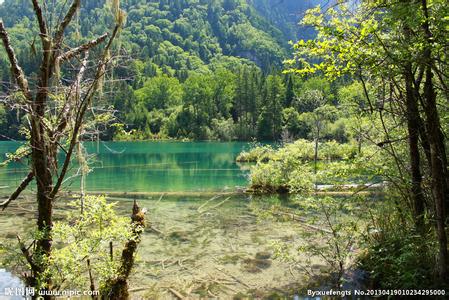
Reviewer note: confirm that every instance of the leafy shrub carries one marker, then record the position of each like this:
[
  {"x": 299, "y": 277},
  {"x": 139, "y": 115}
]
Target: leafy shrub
[
  {"x": 335, "y": 151},
  {"x": 258, "y": 153},
  {"x": 223, "y": 129},
  {"x": 396, "y": 256},
  {"x": 288, "y": 169},
  {"x": 302, "y": 150},
  {"x": 282, "y": 174},
  {"x": 87, "y": 235}
]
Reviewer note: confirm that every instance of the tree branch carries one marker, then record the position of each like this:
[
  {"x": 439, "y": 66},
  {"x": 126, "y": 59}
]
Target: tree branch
[
  {"x": 365, "y": 91},
  {"x": 65, "y": 22},
  {"x": 80, "y": 114},
  {"x": 16, "y": 70},
  {"x": 19, "y": 190},
  {"x": 78, "y": 50},
  {"x": 40, "y": 20},
  {"x": 27, "y": 255},
  {"x": 74, "y": 92}
]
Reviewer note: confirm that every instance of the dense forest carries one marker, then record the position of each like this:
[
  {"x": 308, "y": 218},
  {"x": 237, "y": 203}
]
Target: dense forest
[{"x": 187, "y": 69}]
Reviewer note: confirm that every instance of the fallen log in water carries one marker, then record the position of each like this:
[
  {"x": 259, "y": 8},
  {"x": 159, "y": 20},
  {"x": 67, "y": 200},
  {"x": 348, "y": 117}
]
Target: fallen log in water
[{"x": 301, "y": 221}]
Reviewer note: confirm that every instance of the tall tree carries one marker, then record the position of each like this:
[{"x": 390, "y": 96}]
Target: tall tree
[
  {"x": 51, "y": 128},
  {"x": 395, "y": 45},
  {"x": 270, "y": 120},
  {"x": 289, "y": 92}
]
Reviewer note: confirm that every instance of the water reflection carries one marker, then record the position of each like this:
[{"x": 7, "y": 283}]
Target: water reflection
[{"x": 150, "y": 167}]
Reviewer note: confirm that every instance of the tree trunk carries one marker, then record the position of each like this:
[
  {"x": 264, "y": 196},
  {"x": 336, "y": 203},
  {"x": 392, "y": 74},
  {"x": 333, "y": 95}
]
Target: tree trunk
[
  {"x": 438, "y": 170},
  {"x": 315, "y": 158},
  {"x": 44, "y": 184},
  {"x": 413, "y": 121},
  {"x": 117, "y": 288},
  {"x": 439, "y": 179}
]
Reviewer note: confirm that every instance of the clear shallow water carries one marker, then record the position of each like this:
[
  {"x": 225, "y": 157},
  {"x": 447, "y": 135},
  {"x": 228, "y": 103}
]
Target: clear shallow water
[
  {"x": 9, "y": 281},
  {"x": 208, "y": 244},
  {"x": 149, "y": 167}
]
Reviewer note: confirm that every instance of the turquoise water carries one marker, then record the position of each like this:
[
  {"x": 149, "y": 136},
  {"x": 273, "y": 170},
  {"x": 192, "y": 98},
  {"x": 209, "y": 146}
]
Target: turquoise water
[{"x": 163, "y": 166}]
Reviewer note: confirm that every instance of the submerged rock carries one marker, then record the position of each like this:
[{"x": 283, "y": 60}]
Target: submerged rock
[
  {"x": 180, "y": 236},
  {"x": 263, "y": 255},
  {"x": 252, "y": 265}
]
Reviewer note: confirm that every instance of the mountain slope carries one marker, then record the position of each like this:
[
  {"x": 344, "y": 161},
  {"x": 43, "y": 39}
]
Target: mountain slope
[
  {"x": 199, "y": 68},
  {"x": 185, "y": 34}
]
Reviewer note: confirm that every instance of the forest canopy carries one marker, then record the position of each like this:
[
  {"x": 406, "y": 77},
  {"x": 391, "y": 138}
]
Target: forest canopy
[{"x": 237, "y": 48}]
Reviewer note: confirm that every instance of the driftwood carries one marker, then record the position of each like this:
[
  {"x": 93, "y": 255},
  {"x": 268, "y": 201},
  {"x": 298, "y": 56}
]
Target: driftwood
[
  {"x": 233, "y": 277},
  {"x": 301, "y": 221},
  {"x": 160, "y": 198},
  {"x": 213, "y": 207},
  {"x": 176, "y": 294},
  {"x": 205, "y": 203},
  {"x": 155, "y": 230}
]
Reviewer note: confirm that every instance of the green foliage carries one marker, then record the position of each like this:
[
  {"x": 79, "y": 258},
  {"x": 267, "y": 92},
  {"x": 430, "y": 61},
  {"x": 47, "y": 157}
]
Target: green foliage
[
  {"x": 282, "y": 171},
  {"x": 338, "y": 222},
  {"x": 395, "y": 254},
  {"x": 289, "y": 168},
  {"x": 3, "y": 119},
  {"x": 331, "y": 228},
  {"x": 86, "y": 235},
  {"x": 196, "y": 64},
  {"x": 269, "y": 124},
  {"x": 300, "y": 150},
  {"x": 258, "y": 153},
  {"x": 160, "y": 92},
  {"x": 382, "y": 44},
  {"x": 22, "y": 152}
]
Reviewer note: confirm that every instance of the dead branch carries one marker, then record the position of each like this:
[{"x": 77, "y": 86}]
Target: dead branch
[
  {"x": 176, "y": 294},
  {"x": 81, "y": 112},
  {"x": 233, "y": 277},
  {"x": 17, "y": 71},
  {"x": 91, "y": 279},
  {"x": 80, "y": 49},
  {"x": 74, "y": 91},
  {"x": 301, "y": 221},
  {"x": 155, "y": 230},
  {"x": 205, "y": 203},
  {"x": 40, "y": 20},
  {"x": 160, "y": 198},
  {"x": 18, "y": 191},
  {"x": 27, "y": 255},
  {"x": 65, "y": 22},
  {"x": 215, "y": 206}
]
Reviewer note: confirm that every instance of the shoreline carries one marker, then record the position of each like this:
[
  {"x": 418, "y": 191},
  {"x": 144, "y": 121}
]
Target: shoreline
[{"x": 322, "y": 190}]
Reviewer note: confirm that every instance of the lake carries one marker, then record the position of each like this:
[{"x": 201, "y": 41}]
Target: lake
[
  {"x": 160, "y": 166},
  {"x": 202, "y": 240}
]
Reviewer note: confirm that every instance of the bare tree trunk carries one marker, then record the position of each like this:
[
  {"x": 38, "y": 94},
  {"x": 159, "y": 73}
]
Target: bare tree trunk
[
  {"x": 117, "y": 289},
  {"x": 42, "y": 163},
  {"x": 44, "y": 140}
]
